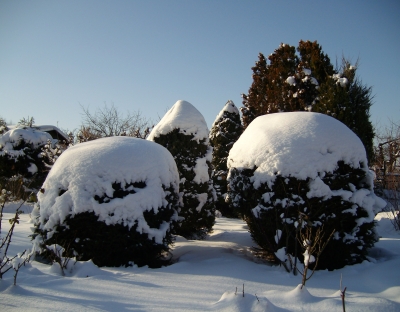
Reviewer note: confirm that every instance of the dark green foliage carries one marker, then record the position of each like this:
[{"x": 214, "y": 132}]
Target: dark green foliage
[
  {"x": 199, "y": 220},
  {"x": 224, "y": 133},
  {"x": 279, "y": 208},
  {"x": 350, "y": 104},
  {"x": 85, "y": 237}
]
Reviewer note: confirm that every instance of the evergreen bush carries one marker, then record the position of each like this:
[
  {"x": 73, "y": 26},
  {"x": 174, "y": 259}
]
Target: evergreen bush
[
  {"x": 280, "y": 189},
  {"x": 21, "y": 157},
  {"x": 224, "y": 132},
  {"x": 183, "y": 131},
  {"x": 112, "y": 200}
]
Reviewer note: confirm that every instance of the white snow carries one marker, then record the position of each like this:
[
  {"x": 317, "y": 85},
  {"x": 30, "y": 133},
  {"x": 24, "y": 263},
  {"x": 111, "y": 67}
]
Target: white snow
[
  {"x": 183, "y": 116},
  {"x": 208, "y": 275},
  {"x": 307, "y": 71},
  {"x": 229, "y": 107},
  {"x": 300, "y": 144},
  {"x": 90, "y": 169},
  {"x": 291, "y": 80},
  {"x": 12, "y": 138},
  {"x": 201, "y": 168},
  {"x": 343, "y": 82}
]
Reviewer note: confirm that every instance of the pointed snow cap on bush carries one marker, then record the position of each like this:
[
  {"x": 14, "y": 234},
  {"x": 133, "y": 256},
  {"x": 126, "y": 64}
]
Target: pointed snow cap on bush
[
  {"x": 87, "y": 171},
  {"x": 229, "y": 107},
  {"x": 183, "y": 116},
  {"x": 297, "y": 144}
]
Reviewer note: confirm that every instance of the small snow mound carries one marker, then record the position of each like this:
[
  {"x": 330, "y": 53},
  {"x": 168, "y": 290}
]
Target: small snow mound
[
  {"x": 300, "y": 295},
  {"x": 183, "y": 116},
  {"x": 232, "y": 302},
  {"x": 83, "y": 269}
]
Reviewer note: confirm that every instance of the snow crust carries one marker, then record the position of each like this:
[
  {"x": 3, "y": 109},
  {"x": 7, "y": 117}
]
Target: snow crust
[
  {"x": 89, "y": 169},
  {"x": 183, "y": 116}
]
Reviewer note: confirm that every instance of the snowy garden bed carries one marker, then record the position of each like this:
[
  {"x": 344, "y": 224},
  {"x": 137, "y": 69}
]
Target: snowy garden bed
[{"x": 205, "y": 277}]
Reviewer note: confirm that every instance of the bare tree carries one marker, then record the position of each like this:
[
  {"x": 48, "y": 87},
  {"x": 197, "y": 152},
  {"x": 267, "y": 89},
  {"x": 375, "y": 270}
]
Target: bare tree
[
  {"x": 387, "y": 169},
  {"x": 387, "y": 151},
  {"x": 108, "y": 121}
]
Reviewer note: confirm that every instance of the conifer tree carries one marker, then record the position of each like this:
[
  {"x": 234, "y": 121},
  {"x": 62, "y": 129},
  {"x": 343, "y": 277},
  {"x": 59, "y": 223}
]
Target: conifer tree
[
  {"x": 344, "y": 97},
  {"x": 255, "y": 102},
  {"x": 225, "y": 131},
  {"x": 287, "y": 82},
  {"x": 183, "y": 131},
  {"x": 307, "y": 81}
]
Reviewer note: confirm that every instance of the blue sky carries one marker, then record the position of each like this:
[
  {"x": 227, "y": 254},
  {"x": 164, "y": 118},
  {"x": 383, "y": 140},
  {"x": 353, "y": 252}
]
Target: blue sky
[{"x": 145, "y": 55}]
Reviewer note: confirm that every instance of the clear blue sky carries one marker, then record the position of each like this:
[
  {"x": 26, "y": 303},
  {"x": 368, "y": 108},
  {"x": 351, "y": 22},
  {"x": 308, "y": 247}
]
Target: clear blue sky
[{"x": 145, "y": 55}]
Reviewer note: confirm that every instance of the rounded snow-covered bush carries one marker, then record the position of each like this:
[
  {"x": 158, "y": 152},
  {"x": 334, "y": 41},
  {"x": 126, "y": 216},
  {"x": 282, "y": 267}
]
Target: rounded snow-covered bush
[
  {"x": 21, "y": 156},
  {"x": 112, "y": 200},
  {"x": 183, "y": 131},
  {"x": 291, "y": 171}
]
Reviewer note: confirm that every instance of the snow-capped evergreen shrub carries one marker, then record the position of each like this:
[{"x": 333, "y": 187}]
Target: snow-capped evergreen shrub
[
  {"x": 113, "y": 200},
  {"x": 304, "y": 168},
  {"x": 224, "y": 132},
  {"x": 183, "y": 131},
  {"x": 21, "y": 156}
]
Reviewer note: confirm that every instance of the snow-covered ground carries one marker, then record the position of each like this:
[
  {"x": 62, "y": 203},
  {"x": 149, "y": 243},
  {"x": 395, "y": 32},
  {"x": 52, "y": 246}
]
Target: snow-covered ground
[{"x": 204, "y": 277}]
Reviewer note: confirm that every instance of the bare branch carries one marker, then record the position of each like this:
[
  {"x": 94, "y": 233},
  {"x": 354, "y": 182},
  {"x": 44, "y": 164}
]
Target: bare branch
[{"x": 108, "y": 121}]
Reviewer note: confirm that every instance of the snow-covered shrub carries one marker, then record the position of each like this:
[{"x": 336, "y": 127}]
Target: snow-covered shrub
[
  {"x": 113, "y": 200},
  {"x": 224, "y": 132},
  {"x": 183, "y": 131},
  {"x": 21, "y": 156},
  {"x": 287, "y": 168}
]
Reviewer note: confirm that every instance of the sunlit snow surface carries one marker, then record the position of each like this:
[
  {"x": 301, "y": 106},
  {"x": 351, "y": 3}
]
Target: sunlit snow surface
[
  {"x": 300, "y": 144},
  {"x": 183, "y": 116},
  {"x": 205, "y": 277}
]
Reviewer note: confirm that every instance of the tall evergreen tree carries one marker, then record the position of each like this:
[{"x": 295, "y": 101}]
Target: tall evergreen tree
[
  {"x": 225, "y": 131},
  {"x": 307, "y": 81},
  {"x": 344, "y": 97},
  {"x": 183, "y": 131},
  {"x": 255, "y": 102},
  {"x": 287, "y": 83}
]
